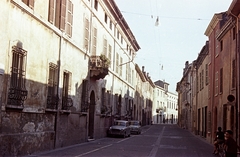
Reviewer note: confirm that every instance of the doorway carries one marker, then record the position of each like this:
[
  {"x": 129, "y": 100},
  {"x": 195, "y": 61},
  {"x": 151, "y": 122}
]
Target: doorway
[{"x": 91, "y": 115}]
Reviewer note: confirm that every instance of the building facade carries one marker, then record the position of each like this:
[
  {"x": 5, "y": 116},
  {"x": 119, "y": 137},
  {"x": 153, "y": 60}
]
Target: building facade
[
  {"x": 67, "y": 72},
  {"x": 215, "y": 76},
  {"x": 165, "y": 104}
]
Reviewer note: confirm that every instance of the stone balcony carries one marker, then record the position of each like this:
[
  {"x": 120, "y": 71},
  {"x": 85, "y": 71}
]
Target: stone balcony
[{"x": 99, "y": 66}]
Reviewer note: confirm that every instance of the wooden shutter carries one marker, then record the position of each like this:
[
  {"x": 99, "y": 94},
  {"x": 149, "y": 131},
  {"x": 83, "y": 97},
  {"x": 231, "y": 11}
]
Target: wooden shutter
[
  {"x": 31, "y": 4},
  {"x": 51, "y": 11},
  {"x": 86, "y": 34},
  {"x": 69, "y": 18},
  {"x": 94, "y": 45},
  {"x": 63, "y": 15},
  {"x": 105, "y": 47},
  {"x": 69, "y": 83}
]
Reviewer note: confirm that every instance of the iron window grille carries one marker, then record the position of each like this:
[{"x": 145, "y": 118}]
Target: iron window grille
[
  {"x": 52, "y": 98},
  {"x": 66, "y": 100},
  {"x": 17, "y": 93}
]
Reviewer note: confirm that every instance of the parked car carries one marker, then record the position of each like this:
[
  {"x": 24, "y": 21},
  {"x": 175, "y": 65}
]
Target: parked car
[
  {"x": 135, "y": 127},
  {"x": 119, "y": 128}
]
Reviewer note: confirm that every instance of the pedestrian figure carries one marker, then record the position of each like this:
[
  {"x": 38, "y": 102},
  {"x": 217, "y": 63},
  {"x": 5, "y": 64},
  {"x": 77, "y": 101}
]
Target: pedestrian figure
[
  {"x": 219, "y": 139},
  {"x": 231, "y": 146}
]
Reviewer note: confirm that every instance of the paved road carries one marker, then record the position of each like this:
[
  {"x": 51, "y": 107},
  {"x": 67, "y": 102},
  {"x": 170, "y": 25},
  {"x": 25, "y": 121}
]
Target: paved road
[{"x": 155, "y": 141}]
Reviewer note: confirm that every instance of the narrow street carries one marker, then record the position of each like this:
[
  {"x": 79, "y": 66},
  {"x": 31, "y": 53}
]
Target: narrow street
[{"x": 155, "y": 141}]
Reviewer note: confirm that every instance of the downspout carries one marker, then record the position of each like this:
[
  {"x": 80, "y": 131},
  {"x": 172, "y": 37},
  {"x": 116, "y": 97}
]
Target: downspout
[
  {"x": 237, "y": 79},
  {"x": 113, "y": 76},
  {"x": 58, "y": 96}
]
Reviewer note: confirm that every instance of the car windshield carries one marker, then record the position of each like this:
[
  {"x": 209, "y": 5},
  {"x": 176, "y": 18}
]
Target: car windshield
[
  {"x": 120, "y": 123},
  {"x": 134, "y": 123}
]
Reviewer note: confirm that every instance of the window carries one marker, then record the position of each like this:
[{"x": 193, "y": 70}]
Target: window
[
  {"x": 103, "y": 101},
  {"x": 110, "y": 53},
  {"x": 105, "y": 47},
  {"x": 127, "y": 71},
  {"x": 61, "y": 15},
  {"x": 17, "y": 92},
  {"x": 216, "y": 83},
  {"x": 52, "y": 99},
  {"x": 29, "y": 3},
  {"x": 206, "y": 74},
  {"x": 96, "y": 4},
  {"x": 221, "y": 45},
  {"x": 121, "y": 39},
  {"x": 117, "y": 62},
  {"x": 66, "y": 101},
  {"x": 120, "y": 68},
  {"x": 202, "y": 79},
  {"x": 118, "y": 34},
  {"x": 105, "y": 18},
  {"x": 221, "y": 81},
  {"x": 234, "y": 33},
  {"x": 94, "y": 44},
  {"x": 233, "y": 74},
  {"x": 110, "y": 24},
  {"x": 84, "y": 103},
  {"x": 86, "y": 33}
]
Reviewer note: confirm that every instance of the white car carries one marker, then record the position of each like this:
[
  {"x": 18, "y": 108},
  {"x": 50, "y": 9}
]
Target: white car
[
  {"x": 119, "y": 128},
  {"x": 135, "y": 127}
]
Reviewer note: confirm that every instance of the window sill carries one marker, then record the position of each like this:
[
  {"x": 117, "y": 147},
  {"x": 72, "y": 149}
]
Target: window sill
[{"x": 14, "y": 107}]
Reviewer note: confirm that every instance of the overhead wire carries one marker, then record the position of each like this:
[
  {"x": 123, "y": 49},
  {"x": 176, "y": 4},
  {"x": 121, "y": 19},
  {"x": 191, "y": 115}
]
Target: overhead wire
[{"x": 183, "y": 18}]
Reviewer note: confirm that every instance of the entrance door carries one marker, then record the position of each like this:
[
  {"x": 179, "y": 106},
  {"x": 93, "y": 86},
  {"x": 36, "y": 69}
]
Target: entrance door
[{"x": 91, "y": 115}]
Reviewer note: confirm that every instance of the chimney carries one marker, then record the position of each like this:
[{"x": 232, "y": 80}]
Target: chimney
[{"x": 142, "y": 68}]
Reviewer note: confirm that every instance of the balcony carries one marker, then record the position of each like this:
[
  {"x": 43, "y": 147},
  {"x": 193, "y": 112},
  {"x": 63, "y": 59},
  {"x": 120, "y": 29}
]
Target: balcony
[{"x": 99, "y": 66}]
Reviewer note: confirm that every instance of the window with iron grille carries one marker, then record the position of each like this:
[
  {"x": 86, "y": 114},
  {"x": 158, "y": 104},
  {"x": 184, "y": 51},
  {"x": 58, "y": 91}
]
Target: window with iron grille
[
  {"x": 84, "y": 103},
  {"x": 52, "y": 98},
  {"x": 29, "y": 3},
  {"x": 17, "y": 93},
  {"x": 66, "y": 100},
  {"x": 60, "y": 14}
]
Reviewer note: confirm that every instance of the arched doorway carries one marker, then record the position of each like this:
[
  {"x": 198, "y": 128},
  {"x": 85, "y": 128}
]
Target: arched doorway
[{"x": 91, "y": 115}]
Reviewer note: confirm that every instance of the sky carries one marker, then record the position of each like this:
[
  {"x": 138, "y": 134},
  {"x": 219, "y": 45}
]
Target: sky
[{"x": 176, "y": 38}]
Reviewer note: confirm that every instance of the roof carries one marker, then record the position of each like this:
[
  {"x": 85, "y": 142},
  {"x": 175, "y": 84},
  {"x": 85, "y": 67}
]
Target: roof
[
  {"x": 122, "y": 23},
  {"x": 234, "y": 7},
  {"x": 160, "y": 83}
]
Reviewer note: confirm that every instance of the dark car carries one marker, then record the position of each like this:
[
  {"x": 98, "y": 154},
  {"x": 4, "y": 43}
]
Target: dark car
[
  {"x": 135, "y": 127},
  {"x": 119, "y": 128}
]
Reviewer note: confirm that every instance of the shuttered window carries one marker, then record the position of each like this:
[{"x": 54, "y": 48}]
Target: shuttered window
[
  {"x": 29, "y": 3},
  {"x": 221, "y": 81},
  {"x": 69, "y": 19},
  {"x": 105, "y": 47},
  {"x": 120, "y": 68},
  {"x": 86, "y": 33},
  {"x": 94, "y": 45},
  {"x": 60, "y": 14},
  {"x": 117, "y": 62}
]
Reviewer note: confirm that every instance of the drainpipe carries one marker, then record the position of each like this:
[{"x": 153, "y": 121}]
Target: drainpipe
[
  {"x": 56, "y": 125},
  {"x": 237, "y": 80}
]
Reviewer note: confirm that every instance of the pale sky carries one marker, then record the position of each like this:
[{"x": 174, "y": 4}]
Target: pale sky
[{"x": 178, "y": 38}]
